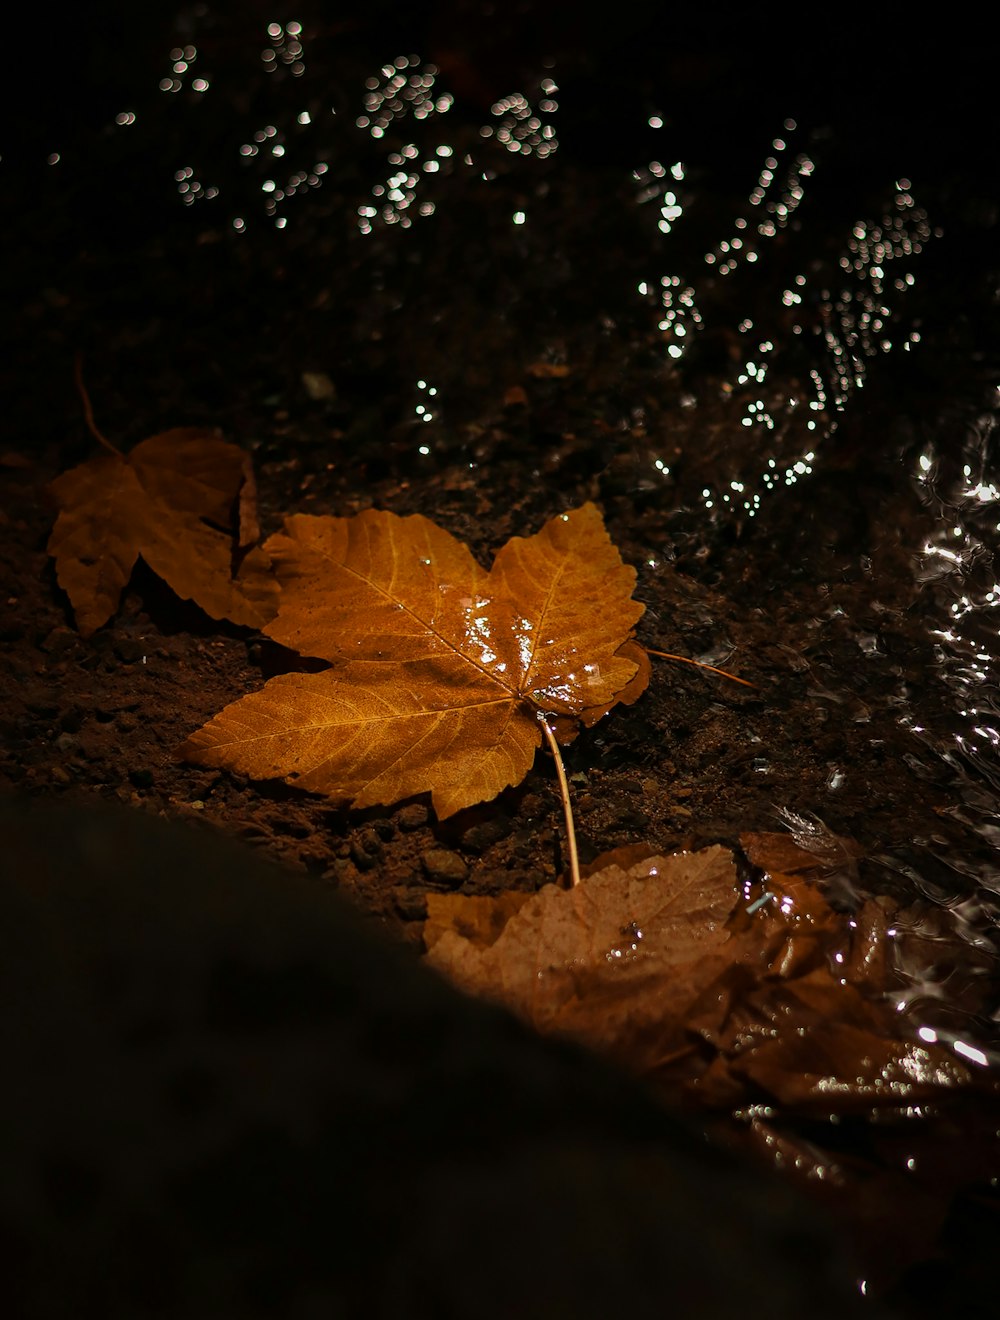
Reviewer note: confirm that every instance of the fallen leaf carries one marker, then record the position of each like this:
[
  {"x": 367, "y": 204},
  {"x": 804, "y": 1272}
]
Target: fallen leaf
[
  {"x": 476, "y": 919},
  {"x": 171, "y": 501},
  {"x": 660, "y": 966},
  {"x": 772, "y": 1019},
  {"x": 774, "y": 851},
  {"x": 617, "y": 962},
  {"x": 441, "y": 669}
]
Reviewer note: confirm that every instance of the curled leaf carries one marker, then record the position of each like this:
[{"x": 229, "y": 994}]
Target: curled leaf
[{"x": 171, "y": 500}]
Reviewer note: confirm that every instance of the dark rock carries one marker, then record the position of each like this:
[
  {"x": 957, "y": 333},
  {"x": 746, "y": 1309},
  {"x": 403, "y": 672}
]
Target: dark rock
[
  {"x": 45, "y": 710},
  {"x": 634, "y": 819},
  {"x": 485, "y": 833},
  {"x": 129, "y": 650},
  {"x": 443, "y": 867},
  {"x": 410, "y": 904},
  {"x": 364, "y": 857},
  {"x": 59, "y": 640},
  {"x": 141, "y": 778},
  {"x": 412, "y": 817}
]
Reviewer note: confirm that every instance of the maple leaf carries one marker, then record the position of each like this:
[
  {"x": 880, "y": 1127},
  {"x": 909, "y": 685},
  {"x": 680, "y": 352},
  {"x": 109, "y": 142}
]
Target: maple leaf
[
  {"x": 440, "y": 669},
  {"x": 171, "y": 501},
  {"x": 617, "y": 961}
]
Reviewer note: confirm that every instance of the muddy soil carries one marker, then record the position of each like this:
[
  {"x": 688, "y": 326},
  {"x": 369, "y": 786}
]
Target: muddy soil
[{"x": 757, "y": 330}]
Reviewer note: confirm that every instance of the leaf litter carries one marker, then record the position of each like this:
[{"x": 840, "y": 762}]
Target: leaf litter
[
  {"x": 758, "y": 1002},
  {"x": 755, "y": 1002}
]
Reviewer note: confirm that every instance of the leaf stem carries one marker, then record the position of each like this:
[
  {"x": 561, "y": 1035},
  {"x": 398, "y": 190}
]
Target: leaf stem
[
  {"x": 669, "y": 655},
  {"x": 574, "y": 860},
  {"x": 88, "y": 412}
]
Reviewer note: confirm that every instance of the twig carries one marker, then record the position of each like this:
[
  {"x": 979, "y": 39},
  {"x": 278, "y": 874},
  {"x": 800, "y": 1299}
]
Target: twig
[
  {"x": 88, "y": 412},
  {"x": 574, "y": 860},
  {"x": 669, "y": 655}
]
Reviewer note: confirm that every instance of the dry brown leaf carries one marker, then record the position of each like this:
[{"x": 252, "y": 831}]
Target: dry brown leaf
[
  {"x": 171, "y": 501},
  {"x": 441, "y": 669}
]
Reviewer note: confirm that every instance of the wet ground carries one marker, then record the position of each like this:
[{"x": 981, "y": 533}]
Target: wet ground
[{"x": 487, "y": 268}]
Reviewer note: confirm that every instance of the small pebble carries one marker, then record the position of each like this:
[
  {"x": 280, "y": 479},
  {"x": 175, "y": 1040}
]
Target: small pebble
[
  {"x": 59, "y": 640},
  {"x": 477, "y": 838},
  {"x": 443, "y": 867},
  {"x": 129, "y": 650},
  {"x": 410, "y": 904},
  {"x": 531, "y": 805},
  {"x": 412, "y": 817},
  {"x": 362, "y": 860}
]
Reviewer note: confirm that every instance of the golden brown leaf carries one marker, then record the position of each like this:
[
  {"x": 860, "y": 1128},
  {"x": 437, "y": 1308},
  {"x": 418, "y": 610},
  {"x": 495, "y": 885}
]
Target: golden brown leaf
[
  {"x": 171, "y": 501},
  {"x": 479, "y": 920},
  {"x": 441, "y": 669}
]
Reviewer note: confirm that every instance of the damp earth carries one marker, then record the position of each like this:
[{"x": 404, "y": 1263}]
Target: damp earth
[{"x": 487, "y": 266}]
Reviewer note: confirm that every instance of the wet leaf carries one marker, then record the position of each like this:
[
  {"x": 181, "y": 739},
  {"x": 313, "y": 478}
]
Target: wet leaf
[
  {"x": 617, "y": 962},
  {"x": 440, "y": 669},
  {"x": 773, "y": 851},
  {"x": 661, "y": 965},
  {"x": 171, "y": 501}
]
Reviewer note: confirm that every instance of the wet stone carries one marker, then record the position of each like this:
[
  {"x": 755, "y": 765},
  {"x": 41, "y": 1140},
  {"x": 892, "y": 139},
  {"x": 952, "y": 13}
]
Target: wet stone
[
  {"x": 365, "y": 850},
  {"x": 634, "y": 820},
  {"x": 443, "y": 867},
  {"x": 410, "y": 904},
  {"x": 412, "y": 817},
  {"x": 485, "y": 833},
  {"x": 129, "y": 650},
  {"x": 334, "y": 874},
  {"x": 59, "y": 640},
  {"x": 531, "y": 806},
  {"x": 385, "y": 830},
  {"x": 45, "y": 710}
]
